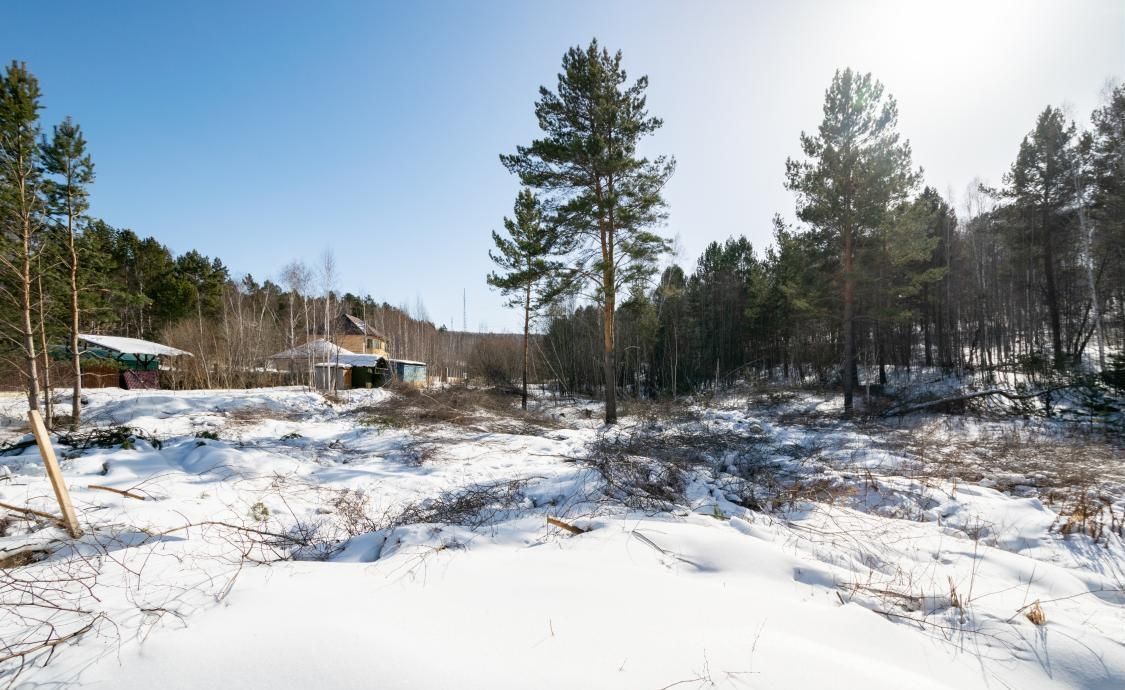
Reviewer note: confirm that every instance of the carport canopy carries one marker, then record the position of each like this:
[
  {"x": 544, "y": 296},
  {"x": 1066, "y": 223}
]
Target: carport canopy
[{"x": 123, "y": 349}]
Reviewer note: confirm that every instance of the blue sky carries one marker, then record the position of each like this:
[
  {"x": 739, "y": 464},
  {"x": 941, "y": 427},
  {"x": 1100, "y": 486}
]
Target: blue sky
[{"x": 263, "y": 132}]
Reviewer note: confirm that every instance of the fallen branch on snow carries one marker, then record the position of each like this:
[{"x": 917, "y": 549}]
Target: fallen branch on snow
[
  {"x": 52, "y": 643},
  {"x": 123, "y": 492},
  {"x": 969, "y": 396},
  {"x": 29, "y": 511},
  {"x": 566, "y": 526}
]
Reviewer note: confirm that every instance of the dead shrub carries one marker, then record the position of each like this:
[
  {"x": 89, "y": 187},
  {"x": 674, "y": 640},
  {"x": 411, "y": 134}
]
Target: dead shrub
[
  {"x": 648, "y": 469},
  {"x": 472, "y": 506},
  {"x": 418, "y": 451},
  {"x": 352, "y": 507},
  {"x": 1035, "y": 614},
  {"x": 486, "y": 409},
  {"x": 107, "y": 437}
]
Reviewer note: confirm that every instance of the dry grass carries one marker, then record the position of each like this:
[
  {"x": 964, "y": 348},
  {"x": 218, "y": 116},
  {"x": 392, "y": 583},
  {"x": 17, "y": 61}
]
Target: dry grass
[
  {"x": 1077, "y": 474},
  {"x": 482, "y": 409},
  {"x": 1035, "y": 614},
  {"x": 249, "y": 416},
  {"x": 21, "y": 558}
]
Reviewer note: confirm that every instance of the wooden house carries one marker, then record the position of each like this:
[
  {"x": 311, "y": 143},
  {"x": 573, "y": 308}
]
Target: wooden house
[{"x": 356, "y": 336}]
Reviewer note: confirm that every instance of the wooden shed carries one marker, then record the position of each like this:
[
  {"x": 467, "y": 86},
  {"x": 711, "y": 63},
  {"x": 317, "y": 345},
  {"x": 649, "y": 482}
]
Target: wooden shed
[{"x": 367, "y": 371}]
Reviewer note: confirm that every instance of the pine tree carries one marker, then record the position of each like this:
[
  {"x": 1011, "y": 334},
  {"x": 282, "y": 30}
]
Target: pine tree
[
  {"x": 605, "y": 196},
  {"x": 856, "y": 169},
  {"x": 673, "y": 327},
  {"x": 21, "y": 205},
  {"x": 1040, "y": 182},
  {"x": 905, "y": 271},
  {"x": 1106, "y": 239},
  {"x": 66, "y": 159},
  {"x": 526, "y": 256}
]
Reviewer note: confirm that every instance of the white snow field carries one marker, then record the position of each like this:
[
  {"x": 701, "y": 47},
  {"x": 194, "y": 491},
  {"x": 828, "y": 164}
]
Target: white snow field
[{"x": 288, "y": 541}]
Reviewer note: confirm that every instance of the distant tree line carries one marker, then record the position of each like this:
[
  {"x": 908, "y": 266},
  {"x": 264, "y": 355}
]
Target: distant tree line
[
  {"x": 880, "y": 272},
  {"x": 63, "y": 272}
]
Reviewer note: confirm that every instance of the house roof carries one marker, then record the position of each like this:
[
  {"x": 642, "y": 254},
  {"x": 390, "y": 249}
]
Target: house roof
[
  {"x": 346, "y": 361},
  {"x": 317, "y": 348},
  {"x": 131, "y": 346},
  {"x": 347, "y": 324},
  {"x": 353, "y": 325}
]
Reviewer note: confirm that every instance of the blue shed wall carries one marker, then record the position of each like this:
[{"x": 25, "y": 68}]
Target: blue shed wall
[{"x": 410, "y": 373}]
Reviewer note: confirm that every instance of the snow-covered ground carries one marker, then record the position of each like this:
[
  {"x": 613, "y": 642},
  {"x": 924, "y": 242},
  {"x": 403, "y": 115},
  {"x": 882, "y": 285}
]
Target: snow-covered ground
[{"x": 289, "y": 541}]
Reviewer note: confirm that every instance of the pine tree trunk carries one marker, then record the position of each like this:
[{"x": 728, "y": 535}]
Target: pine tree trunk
[
  {"x": 609, "y": 288},
  {"x": 48, "y": 404},
  {"x": 526, "y": 332},
  {"x": 24, "y": 195},
  {"x": 1087, "y": 241},
  {"x": 881, "y": 354},
  {"x": 609, "y": 362},
  {"x": 28, "y": 329},
  {"x": 849, "y": 320},
  {"x": 675, "y": 360},
  {"x": 76, "y": 358},
  {"x": 1052, "y": 296}
]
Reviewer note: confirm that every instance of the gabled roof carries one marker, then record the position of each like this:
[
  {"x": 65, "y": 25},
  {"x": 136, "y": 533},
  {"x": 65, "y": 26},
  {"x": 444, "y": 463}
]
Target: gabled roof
[
  {"x": 354, "y": 325},
  {"x": 347, "y": 324},
  {"x": 131, "y": 346},
  {"x": 317, "y": 348}
]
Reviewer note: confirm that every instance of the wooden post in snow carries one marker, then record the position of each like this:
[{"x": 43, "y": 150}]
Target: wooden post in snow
[{"x": 69, "y": 520}]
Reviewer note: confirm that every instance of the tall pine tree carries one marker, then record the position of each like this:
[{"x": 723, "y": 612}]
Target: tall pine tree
[
  {"x": 20, "y": 208},
  {"x": 65, "y": 158},
  {"x": 856, "y": 168},
  {"x": 605, "y": 196},
  {"x": 1041, "y": 184}
]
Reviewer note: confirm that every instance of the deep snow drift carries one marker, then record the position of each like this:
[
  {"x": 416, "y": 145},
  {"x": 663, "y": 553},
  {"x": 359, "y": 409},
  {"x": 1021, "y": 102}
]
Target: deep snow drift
[{"x": 289, "y": 541}]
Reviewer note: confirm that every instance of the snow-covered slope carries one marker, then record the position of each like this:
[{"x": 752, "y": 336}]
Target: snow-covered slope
[{"x": 873, "y": 573}]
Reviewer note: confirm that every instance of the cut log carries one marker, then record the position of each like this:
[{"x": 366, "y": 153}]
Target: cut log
[
  {"x": 29, "y": 511},
  {"x": 568, "y": 527}
]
